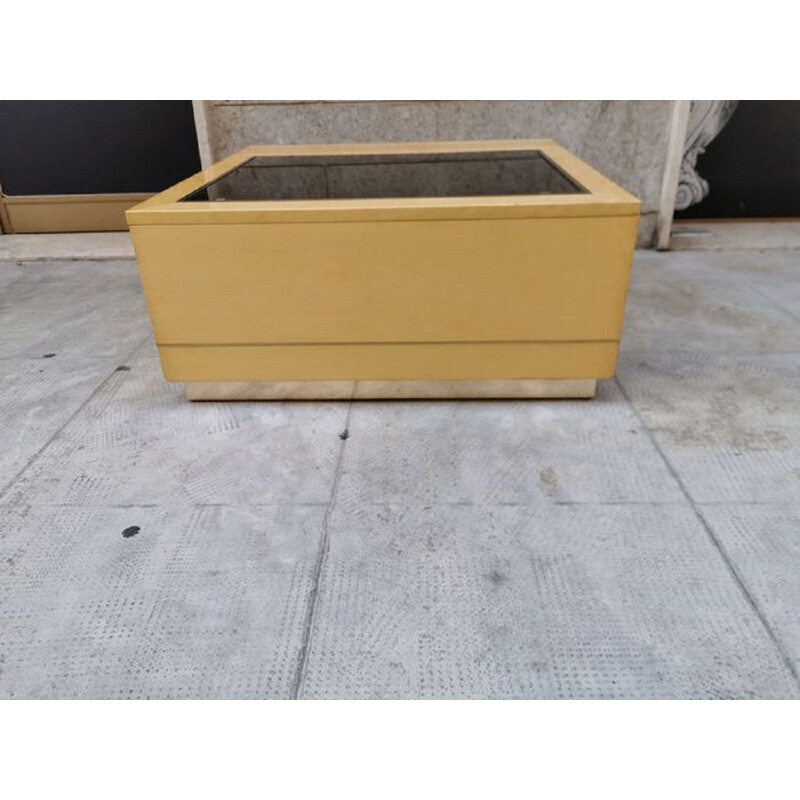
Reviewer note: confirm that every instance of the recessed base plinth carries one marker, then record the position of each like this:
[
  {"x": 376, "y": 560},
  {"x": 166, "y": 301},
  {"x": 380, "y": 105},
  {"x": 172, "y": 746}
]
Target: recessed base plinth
[{"x": 390, "y": 390}]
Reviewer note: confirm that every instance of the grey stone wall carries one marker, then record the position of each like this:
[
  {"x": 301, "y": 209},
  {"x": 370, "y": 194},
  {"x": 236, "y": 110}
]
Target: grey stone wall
[{"x": 624, "y": 139}]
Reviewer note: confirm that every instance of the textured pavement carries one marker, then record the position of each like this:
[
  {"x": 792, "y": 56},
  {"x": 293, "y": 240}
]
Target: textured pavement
[{"x": 645, "y": 544}]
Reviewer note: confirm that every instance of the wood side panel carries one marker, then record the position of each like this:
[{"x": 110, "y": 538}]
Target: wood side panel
[
  {"x": 390, "y": 362},
  {"x": 458, "y": 281}
]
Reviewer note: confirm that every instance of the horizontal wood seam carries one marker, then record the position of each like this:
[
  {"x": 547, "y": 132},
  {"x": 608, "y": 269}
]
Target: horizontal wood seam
[{"x": 373, "y": 344}]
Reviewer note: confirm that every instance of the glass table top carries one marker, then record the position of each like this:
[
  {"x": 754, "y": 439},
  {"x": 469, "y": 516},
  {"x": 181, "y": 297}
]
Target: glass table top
[{"x": 362, "y": 176}]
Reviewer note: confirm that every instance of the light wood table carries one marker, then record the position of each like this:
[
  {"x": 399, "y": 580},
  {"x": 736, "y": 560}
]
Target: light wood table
[{"x": 431, "y": 269}]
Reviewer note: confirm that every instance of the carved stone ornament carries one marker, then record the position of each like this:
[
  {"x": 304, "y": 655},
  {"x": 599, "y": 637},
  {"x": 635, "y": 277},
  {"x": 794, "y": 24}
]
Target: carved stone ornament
[{"x": 706, "y": 119}]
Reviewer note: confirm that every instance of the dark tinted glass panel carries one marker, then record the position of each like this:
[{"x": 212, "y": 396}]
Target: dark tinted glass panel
[{"x": 512, "y": 172}]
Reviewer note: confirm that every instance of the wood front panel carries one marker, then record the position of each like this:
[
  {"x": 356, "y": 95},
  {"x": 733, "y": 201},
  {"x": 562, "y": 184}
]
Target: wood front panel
[
  {"x": 508, "y": 280},
  {"x": 390, "y": 362}
]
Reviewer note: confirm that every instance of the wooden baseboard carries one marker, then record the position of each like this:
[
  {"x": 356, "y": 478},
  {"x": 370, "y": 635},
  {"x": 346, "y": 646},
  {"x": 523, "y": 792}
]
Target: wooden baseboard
[
  {"x": 390, "y": 390},
  {"x": 68, "y": 213}
]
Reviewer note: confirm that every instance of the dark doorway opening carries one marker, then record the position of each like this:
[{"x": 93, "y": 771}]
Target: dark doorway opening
[{"x": 753, "y": 165}]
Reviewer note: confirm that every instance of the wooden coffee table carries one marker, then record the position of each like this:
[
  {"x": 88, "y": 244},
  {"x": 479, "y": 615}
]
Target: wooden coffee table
[{"x": 426, "y": 269}]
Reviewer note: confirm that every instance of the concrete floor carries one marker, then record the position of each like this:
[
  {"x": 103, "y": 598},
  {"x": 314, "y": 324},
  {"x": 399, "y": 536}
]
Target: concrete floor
[
  {"x": 645, "y": 544},
  {"x": 27, "y": 247}
]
